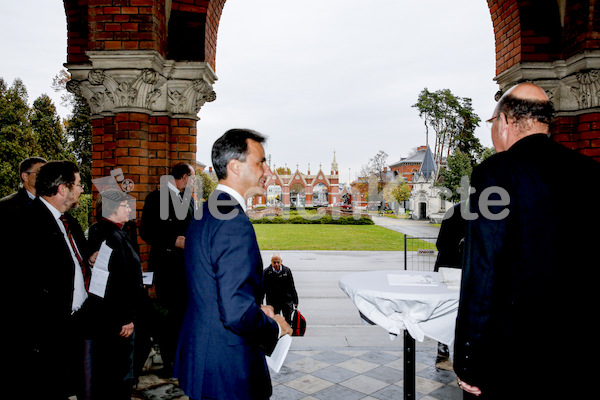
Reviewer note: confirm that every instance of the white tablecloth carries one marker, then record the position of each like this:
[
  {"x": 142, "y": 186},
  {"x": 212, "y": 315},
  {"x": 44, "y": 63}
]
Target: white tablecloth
[{"x": 422, "y": 309}]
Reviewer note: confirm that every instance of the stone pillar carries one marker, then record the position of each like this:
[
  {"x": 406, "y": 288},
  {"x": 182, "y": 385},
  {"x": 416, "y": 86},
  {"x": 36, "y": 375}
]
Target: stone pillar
[{"x": 144, "y": 113}]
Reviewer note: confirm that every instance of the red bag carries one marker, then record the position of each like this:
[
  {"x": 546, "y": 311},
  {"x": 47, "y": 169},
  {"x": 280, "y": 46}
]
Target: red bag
[{"x": 298, "y": 323}]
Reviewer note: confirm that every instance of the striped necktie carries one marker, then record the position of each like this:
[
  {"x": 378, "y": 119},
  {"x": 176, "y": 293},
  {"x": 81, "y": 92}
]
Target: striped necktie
[{"x": 86, "y": 279}]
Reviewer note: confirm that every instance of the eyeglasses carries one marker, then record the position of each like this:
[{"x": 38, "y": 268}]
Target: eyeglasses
[
  {"x": 490, "y": 122},
  {"x": 31, "y": 172},
  {"x": 70, "y": 185}
]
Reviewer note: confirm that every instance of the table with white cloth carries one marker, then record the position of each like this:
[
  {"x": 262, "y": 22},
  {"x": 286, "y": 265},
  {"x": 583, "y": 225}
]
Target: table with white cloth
[{"x": 417, "y": 302}]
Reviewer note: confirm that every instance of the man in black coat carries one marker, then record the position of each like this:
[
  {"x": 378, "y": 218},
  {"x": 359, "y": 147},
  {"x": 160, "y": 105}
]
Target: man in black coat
[
  {"x": 46, "y": 287},
  {"x": 530, "y": 270},
  {"x": 450, "y": 242},
  {"x": 165, "y": 218},
  {"x": 28, "y": 170},
  {"x": 279, "y": 288}
]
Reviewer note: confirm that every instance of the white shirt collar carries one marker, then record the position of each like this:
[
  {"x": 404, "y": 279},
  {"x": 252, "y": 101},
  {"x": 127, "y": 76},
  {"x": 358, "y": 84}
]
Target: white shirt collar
[
  {"x": 31, "y": 195},
  {"x": 233, "y": 193},
  {"x": 52, "y": 209},
  {"x": 171, "y": 186}
]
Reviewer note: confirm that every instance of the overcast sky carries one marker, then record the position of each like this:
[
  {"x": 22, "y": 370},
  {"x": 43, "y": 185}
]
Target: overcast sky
[{"x": 314, "y": 76}]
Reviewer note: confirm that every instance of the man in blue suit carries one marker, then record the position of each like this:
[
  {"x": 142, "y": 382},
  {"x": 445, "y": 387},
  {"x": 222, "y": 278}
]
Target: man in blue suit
[{"x": 225, "y": 333}]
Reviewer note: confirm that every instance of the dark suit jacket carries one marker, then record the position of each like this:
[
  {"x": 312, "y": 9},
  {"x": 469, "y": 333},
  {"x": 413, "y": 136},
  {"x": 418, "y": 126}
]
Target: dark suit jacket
[
  {"x": 166, "y": 260},
  {"x": 124, "y": 292},
  {"x": 219, "y": 354},
  {"x": 450, "y": 241},
  {"x": 529, "y": 280},
  {"x": 40, "y": 285},
  {"x": 15, "y": 202}
]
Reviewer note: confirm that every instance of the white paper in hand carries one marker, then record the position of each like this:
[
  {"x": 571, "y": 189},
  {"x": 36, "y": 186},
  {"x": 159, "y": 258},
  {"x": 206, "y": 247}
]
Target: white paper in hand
[
  {"x": 276, "y": 359},
  {"x": 100, "y": 272}
]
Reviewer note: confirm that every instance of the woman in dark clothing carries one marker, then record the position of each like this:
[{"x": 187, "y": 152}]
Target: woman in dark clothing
[{"x": 113, "y": 316}]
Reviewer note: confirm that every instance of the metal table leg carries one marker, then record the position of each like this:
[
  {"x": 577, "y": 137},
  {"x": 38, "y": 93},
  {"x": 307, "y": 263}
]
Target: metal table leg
[{"x": 409, "y": 366}]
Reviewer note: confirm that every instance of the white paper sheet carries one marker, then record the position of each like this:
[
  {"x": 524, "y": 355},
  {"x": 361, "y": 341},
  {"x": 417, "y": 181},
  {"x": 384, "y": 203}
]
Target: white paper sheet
[
  {"x": 147, "y": 278},
  {"x": 100, "y": 272},
  {"x": 276, "y": 359},
  {"x": 98, "y": 282},
  {"x": 103, "y": 257}
]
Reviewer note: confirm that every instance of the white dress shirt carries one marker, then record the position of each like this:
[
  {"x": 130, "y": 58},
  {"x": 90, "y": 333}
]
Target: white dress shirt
[
  {"x": 233, "y": 193},
  {"x": 79, "y": 292}
]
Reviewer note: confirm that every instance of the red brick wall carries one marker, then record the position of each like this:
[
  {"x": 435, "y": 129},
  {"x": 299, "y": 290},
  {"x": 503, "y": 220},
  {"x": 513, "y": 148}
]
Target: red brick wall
[
  {"x": 144, "y": 145},
  {"x": 127, "y": 25},
  {"x": 213, "y": 16},
  {"x": 529, "y": 31},
  {"x": 581, "y": 133},
  {"x": 77, "y": 30},
  {"x": 525, "y": 31}
]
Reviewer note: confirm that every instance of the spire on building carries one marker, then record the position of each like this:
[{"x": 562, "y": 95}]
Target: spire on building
[
  {"x": 428, "y": 167},
  {"x": 334, "y": 165}
]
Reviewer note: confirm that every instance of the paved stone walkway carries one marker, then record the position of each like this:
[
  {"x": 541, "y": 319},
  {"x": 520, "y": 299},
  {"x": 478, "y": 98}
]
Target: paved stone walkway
[
  {"x": 344, "y": 373},
  {"x": 340, "y": 357}
]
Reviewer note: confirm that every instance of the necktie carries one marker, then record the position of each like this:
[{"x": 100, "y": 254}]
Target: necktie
[
  {"x": 191, "y": 206},
  {"x": 86, "y": 279}
]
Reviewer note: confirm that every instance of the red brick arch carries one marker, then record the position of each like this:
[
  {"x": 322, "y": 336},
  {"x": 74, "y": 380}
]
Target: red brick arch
[
  {"x": 555, "y": 44},
  {"x": 147, "y": 67}
]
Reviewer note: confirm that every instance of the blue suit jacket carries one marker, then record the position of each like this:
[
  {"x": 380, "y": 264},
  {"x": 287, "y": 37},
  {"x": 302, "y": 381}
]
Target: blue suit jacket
[{"x": 220, "y": 352}]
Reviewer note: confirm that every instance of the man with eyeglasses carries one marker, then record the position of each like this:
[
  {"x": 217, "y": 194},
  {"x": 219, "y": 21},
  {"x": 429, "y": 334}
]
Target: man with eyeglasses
[
  {"x": 29, "y": 169},
  {"x": 47, "y": 288},
  {"x": 528, "y": 299}
]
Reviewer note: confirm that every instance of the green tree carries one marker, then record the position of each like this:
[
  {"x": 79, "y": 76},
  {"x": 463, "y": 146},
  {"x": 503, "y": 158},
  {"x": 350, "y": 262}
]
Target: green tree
[
  {"x": 49, "y": 131},
  {"x": 208, "y": 183},
  {"x": 397, "y": 190},
  {"x": 453, "y": 121},
  {"x": 17, "y": 140},
  {"x": 78, "y": 127},
  {"x": 459, "y": 165},
  {"x": 79, "y": 131},
  {"x": 283, "y": 171}
]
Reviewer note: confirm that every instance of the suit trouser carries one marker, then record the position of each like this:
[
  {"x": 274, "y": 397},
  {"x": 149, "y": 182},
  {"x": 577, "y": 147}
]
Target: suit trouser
[
  {"x": 112, "y": 367},
  {"x": 171, "y": 294},
  {"x": 285, "y": 309}
]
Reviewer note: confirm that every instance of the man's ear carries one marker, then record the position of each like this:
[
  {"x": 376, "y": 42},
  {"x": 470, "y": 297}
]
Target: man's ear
[
  {"x": 62, "y": 188},
  {"x": 502, "y": 121},
  {"x": 233, "y": 166}
]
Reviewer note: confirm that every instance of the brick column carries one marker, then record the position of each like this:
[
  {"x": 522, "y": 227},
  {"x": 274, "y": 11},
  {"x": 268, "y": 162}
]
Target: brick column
[
  {"x": 573, "y": 85},
  {"x": 144, "y": 114}
]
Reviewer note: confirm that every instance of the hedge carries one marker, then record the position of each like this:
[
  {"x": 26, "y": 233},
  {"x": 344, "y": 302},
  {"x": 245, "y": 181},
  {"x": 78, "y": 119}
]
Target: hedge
[{"x": 325, "y": 219}]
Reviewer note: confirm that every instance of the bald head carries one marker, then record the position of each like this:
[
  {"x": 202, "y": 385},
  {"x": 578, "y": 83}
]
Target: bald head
[
  {"x": 528, "y": 91},
  {"x": 276, "y": 262},
  {"x": 522, "y": 111}
]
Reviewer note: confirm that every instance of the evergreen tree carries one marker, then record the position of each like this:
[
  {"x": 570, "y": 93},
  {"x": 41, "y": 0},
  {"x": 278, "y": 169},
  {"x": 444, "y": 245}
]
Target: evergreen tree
[
  {"x": 79, "y": 132},
  {"x": 48, "y": 129},
  {"x": 459, "y": 165},
  {"x": 17, "y": 140},
  {"x": 78, "y": 127}
]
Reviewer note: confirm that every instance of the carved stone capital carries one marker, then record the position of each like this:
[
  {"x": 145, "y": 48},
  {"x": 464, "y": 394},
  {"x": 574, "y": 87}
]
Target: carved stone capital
[
  {"x": 142, "y": 82},
  {"x": 573, "y": 85}
]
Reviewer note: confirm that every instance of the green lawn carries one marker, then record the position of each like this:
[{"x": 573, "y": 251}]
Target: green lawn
[{"x": 328, "y": 237}]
